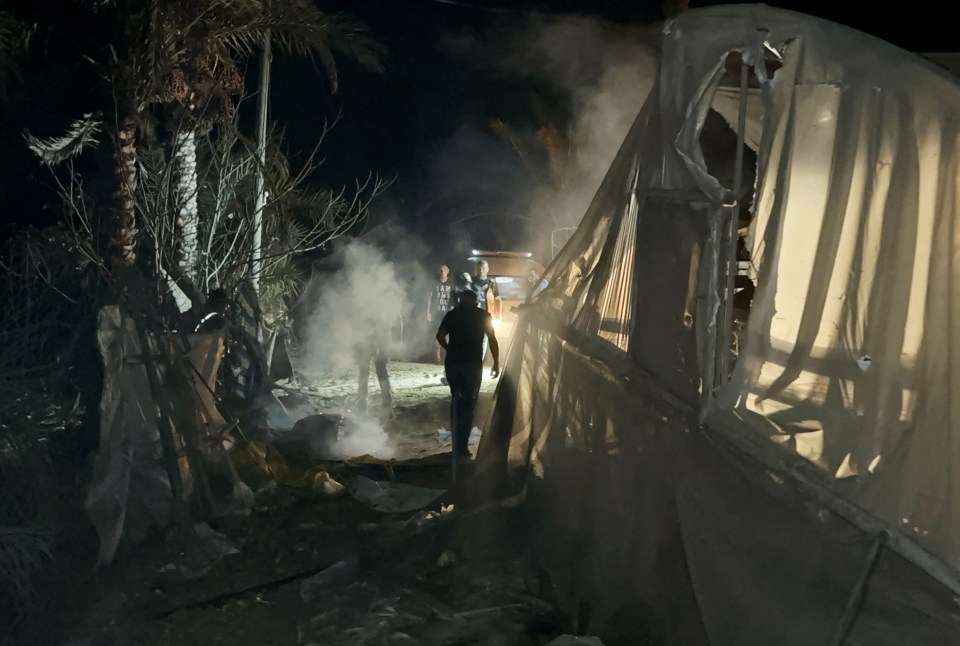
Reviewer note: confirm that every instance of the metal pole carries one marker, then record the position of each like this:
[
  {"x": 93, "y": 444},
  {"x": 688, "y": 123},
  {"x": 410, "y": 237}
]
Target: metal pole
[
  {"x": 726, "y": 331},
  {"x": 256, "y": 264},
  {"x": 164, "y": 408},
  {"x": 859, "y": 592}
]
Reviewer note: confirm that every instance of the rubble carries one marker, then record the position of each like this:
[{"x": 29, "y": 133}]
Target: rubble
[
  {"x": 260, "y": 462},
  {"x": 392, "y": 497},
  {"x": 206, "y": 548},
  {"x": 336, "y": 573}
]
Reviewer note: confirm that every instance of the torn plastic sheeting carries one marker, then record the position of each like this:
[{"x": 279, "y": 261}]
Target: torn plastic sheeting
[
  {"x": 207, "y": 548},
  {"x": 129, "y": 493},
  {"x": 391, "y": 497},
  {"x": 851, "y": 239},
  {"x": 278, "y": 417},
  {"x": 443, "y": 436},
  {"x": 336, "y": 573}
]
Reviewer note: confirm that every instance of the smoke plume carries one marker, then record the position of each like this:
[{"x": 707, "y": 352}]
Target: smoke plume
[
  {"x": 588, "y": 80},
  {"x": 366, "y": 436},
  {"x": 369, "y": 297},
  {"x": 359, "y": 304},
  {"x": 608, "y": 71}
]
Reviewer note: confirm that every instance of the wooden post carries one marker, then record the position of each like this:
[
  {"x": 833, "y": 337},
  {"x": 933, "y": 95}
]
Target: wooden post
[{"x": 163, "y": 411}]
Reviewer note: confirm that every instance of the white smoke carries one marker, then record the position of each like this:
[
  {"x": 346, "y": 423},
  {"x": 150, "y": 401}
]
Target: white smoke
[
  {"x": 601, "y": 74},
  {"x": 359, "y": 306},
  {"x": 366, "y": 436},
  {"x": 608, "y": 70},
  {"x": 369, "y": 298}
]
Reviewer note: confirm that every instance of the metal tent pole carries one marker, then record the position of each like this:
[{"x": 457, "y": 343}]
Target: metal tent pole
[
  {"x": 724, "y": 338},
  {"x": 256, "y": 265}
]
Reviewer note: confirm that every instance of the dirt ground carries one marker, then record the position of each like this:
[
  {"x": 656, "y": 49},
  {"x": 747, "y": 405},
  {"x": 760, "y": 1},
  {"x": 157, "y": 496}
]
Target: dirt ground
[
  {"x": 311, "y": 568},
  {"x": 421, "y": 403}
]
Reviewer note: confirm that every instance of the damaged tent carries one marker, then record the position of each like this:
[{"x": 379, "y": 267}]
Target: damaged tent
[
  {"x": 159, "y": 423},
  {"x": 730, "y": 406}
]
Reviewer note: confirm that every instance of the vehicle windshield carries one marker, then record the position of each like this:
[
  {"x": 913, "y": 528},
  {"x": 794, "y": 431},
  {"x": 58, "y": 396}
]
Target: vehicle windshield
[{"x": 512, "y": 287}]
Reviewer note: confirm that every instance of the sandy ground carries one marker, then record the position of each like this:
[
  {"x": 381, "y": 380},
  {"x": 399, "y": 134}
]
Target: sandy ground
[{"x": 421, "y": 403}]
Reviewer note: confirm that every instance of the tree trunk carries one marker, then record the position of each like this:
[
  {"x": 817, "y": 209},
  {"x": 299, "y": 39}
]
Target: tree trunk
[
  {"x": 186, "y": 186},
  {"x": 123, "y": 231}
]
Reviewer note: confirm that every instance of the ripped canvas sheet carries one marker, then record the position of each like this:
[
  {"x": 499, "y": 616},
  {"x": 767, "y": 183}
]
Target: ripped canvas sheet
[
  {"x": 766, "y": 270},
  {"x": 130, "y": 488}
]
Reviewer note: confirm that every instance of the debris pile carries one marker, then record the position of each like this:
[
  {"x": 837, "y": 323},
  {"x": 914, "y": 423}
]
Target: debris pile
[{"x": 452, "y": 602}]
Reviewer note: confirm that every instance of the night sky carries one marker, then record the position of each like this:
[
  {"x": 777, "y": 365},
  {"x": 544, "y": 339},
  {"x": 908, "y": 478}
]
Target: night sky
[
  {"x": 426, "y": 94},
  {"x": 396, "y": 123}
]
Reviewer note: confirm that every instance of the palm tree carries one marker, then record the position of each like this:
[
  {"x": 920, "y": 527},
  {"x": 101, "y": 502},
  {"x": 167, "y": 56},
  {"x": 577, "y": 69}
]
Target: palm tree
[
  {"x": 181, "y": 54},
  {"x": 12, "y": 40},
  {"x": 8, "y": 32},
  {"x": 211, "y": 79}
]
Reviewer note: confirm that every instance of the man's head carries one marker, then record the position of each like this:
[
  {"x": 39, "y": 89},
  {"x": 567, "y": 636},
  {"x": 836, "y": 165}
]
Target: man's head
[
  {"x": 468, "y": 298},
  {"x": 217, "y": 300},
  {"x": 444, "y": 273},
  {"x": 483, "y": 268}
]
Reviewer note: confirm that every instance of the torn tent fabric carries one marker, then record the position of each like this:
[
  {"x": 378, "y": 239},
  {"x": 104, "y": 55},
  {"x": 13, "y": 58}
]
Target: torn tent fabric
[{"x": 774, "y": 469}]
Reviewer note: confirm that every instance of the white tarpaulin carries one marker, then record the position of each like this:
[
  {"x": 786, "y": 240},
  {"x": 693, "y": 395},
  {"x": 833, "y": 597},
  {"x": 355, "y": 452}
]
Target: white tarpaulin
[
  {"x": 848, "y": 353},
  {"x": 643, "y": 388},
  {"x": 130, "y": 488}
]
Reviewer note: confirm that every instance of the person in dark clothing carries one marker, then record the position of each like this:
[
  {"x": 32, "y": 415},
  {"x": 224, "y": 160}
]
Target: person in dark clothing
[
  {"x": 461, "y": 334},
  {"x": 464, "y": 283},
  {"x": 488, "y": 295}
]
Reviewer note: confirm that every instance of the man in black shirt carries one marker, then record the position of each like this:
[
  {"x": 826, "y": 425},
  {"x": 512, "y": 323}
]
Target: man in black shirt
[
  {"x": 440, "y": 300},
  {"x": 488, "y": 295},
  {"x": 461, "y": 334}
]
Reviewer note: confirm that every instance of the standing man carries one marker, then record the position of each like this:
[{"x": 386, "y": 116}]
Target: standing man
[
  {"x": 488, "y": 296},
  {"x": 461, "y": 334},
  {"x": 375, "y": 346},
  {"x": 376, "y": 352},
  {"x": 440, "y": 301}
]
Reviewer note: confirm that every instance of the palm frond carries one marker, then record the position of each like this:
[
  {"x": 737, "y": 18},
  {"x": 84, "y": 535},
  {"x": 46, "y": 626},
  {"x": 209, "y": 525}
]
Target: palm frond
[
  {"x": 14, "y": 37},
  {"x": 353, "y": 39},
  {"x": 56, "y": 150},
  {"x": 299, "y": 27},
  {"x": 558, "y": 149},
  {"x": 8, "y": 39},
  {"x": 22, "y": 553},
  {"x": 295, "y": 234}
]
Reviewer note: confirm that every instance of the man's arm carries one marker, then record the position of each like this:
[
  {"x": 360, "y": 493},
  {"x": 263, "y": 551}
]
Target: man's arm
[
  {"x": 442, "y": 337},
  {"x": 494, "y": 348},
  {"x": 430, "y": 305}
]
